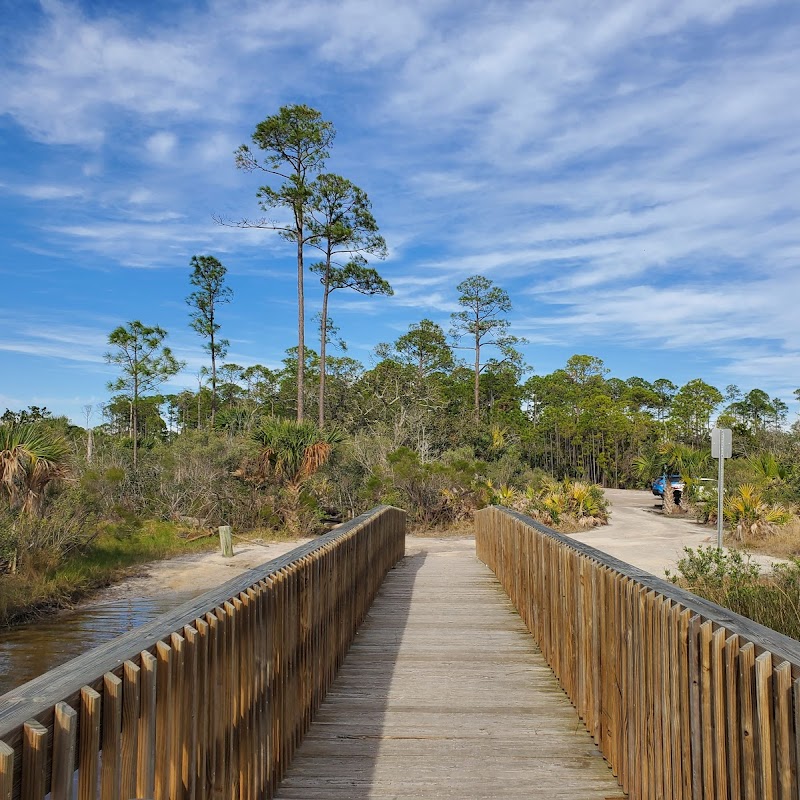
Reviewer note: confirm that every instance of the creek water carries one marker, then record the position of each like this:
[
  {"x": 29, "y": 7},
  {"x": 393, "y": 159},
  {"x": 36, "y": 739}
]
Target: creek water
[{"x": 26, "y": 651}]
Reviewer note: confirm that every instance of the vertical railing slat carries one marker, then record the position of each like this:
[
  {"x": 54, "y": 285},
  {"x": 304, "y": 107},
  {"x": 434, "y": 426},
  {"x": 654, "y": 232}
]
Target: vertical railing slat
[
  {"x": 111, "y": 770},
  {"x": 6, "y": 771},
  {"x": 89, "y": 743},
  {"x": 131, "y": 705},
  {"x": 718, "y": 713},
  {"x": 782, "y": 685},
  {"x": 164, "y": 658},
  {"x": 177, "y": 716},
  {"x": 203, "y": 699},
  {"x": 747, "y": 662},
  {"x": 65, "y": 739},
  {"x": 765, "y": 726},
  {"x": 34, "y": 761},
  {"x": 191, "y": 712},
  {"x": 733, "y": 721},
  {"x": 145, "y": 756}
]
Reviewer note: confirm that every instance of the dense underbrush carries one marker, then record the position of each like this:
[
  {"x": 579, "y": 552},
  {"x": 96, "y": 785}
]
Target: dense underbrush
[
  {"x": 99, "y": 516},
  {"x": 566, "y": 505},
  {"x": 731, "y": 579}
]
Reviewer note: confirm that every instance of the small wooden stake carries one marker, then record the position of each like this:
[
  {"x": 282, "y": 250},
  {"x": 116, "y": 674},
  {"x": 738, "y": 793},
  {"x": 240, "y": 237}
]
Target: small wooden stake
[{"x": 226, "y": 541}]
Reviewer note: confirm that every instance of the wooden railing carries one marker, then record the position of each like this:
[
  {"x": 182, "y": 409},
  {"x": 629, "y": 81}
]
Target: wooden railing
[
  {"x": 210, "y": 700},
  {"x": 684, "y": 698}
]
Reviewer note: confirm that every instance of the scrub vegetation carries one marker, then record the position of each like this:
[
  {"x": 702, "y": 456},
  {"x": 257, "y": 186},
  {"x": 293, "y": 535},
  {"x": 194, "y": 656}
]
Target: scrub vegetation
[
  {"x": 732, "y": 580},
  {"x": 441, "y": 423}
]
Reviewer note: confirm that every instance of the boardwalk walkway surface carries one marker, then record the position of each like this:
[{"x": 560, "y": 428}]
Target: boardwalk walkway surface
[{"x": 444, "y": 694}]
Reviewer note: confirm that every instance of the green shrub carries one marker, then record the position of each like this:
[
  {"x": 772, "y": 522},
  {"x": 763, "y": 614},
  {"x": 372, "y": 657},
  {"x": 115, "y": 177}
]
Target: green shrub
[
  {"x": 567, "y": 505},
  {"x": 732, "y": 580},
  {"x": 435, "y": 494}
]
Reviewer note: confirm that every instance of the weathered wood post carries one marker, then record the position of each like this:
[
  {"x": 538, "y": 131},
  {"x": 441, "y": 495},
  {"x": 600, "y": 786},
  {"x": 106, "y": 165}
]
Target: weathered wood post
[{"x": 226, "y": 541}]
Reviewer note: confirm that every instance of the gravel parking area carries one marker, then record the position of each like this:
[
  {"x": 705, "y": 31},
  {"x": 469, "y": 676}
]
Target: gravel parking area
[{"x": 639, "y": 534}]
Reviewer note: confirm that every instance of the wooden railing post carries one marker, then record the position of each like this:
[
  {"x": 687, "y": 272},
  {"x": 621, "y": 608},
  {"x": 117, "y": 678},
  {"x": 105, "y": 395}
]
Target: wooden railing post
[
  {"x": 210, "y": 700},
  {"x": 685, "y": 699}
]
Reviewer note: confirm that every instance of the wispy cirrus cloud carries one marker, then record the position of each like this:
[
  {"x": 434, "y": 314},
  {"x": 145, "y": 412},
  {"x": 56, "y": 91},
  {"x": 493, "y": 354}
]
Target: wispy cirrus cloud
[{"x": 629, "y": 172}]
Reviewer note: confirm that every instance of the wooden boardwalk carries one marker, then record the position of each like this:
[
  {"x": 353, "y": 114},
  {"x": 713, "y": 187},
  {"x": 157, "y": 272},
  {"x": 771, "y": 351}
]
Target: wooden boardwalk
[{"x": 444, "y": 695}]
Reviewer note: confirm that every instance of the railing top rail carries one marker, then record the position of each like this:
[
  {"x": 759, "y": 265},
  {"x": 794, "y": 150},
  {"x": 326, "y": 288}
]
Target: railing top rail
[
  {"x": 762, "y": 637},
  {"x": 39, "y": 695}
]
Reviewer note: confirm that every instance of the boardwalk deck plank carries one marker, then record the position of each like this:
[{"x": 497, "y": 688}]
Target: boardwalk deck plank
[{"x": 444, "y": 694}]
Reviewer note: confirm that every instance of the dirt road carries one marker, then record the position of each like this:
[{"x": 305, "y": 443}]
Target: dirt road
[{"x": 640, "y": 535}]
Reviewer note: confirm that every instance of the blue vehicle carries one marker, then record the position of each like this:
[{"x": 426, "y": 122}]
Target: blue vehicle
[{"x": 677, "y": 483}]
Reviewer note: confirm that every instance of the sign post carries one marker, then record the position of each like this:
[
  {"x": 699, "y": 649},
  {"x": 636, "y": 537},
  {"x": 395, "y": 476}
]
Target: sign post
[{"x": 721, "y": 448}]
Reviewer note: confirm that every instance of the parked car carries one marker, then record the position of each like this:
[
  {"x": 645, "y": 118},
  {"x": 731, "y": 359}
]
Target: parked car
[{"x": 677, "y": 483}]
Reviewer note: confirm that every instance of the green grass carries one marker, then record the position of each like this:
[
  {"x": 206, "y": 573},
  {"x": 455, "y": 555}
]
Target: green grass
[{"x": 111, "y": 556}]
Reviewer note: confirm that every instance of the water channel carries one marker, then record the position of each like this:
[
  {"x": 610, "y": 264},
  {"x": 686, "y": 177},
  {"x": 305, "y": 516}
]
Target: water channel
[{"x": 27, "y": 651}]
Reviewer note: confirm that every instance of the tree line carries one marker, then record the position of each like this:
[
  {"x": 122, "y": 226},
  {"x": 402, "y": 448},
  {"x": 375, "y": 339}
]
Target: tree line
[
  {"x": 576, "y": 422},
  {"x": 457, "y": 408}
]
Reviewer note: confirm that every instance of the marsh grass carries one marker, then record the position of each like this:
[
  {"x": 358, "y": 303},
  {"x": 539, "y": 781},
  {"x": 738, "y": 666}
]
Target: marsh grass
[
  {"x": 782, "y": 542},
  {"x": 115, "y": 552},
  {"x": 267, "y": 536},
  {"x": 463, "y": 529},
  {"x": 732, "y": 580}
]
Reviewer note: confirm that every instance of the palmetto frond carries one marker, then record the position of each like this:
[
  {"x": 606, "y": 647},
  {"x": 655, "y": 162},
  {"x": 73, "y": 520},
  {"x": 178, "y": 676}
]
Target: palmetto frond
[
  {"x": 648, "y": 466},
  {"x": 506, "y": 495},
  {"x": 293, "y": 451},
  {"x": 684, "y": 460},
  {"x": 498, "y": 434},
  {"x": 749, "y": 513},
  {"x": 767, "y": 467},
  {"x": 31, "y": 457}
]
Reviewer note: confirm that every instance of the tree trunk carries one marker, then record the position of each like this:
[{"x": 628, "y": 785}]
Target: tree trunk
[
  {"x": 477, "y": 379},
  {"x": 323, "y": 341},
  {"x": 301, "y": 344},
  {"x": 135, "y": 420},
  {"x": 213, "y": 371}
]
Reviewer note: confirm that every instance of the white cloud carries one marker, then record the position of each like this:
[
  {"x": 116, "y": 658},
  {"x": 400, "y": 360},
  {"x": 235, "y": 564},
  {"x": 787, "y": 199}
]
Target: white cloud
[
  {"x": 615, "y": 166},
  {"x": 161, "y": 145},
  {"x": 50, "y": 192},
  {"x": 61, "y": 342},
  {"x": 140, "y": 196}
]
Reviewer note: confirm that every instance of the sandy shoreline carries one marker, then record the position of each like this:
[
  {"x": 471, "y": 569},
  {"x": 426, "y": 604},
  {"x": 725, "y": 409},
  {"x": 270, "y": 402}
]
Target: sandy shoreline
[
  {"x": 191, "y": 574},
  {"x": 637, "y": 533}
]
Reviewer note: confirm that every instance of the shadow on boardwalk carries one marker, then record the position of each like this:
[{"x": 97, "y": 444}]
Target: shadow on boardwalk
[
  {"x": 341, "y": 750},
  {"x": 444, "y": 694}
]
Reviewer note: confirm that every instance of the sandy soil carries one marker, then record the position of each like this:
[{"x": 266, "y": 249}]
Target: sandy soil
[
  {"x": 637, "y": 534},
  {"x": 640, "y": 535},
  {"x": 184, "y": 576}
]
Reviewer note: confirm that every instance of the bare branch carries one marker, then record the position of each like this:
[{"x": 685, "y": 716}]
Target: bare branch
[
  {"x": 247, "y": 162},
  {"x": 264, "y": 223}
]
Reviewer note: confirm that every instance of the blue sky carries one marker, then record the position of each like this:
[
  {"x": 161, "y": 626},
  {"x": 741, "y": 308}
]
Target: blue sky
[{"x": 628, "y": 171}]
